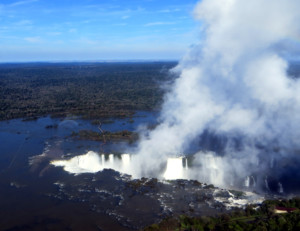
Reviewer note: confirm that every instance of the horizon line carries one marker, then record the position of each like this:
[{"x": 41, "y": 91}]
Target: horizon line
[{"x": 93, "y": 61}]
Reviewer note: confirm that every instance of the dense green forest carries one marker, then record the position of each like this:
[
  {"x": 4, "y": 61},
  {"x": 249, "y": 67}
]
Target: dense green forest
[
  {"x": 252, "y": 218},
  {"x": 91, "y": 90}
]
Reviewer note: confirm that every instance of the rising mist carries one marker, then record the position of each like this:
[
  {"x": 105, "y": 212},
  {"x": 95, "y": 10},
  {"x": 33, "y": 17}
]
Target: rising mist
[{"x": 234, "y": 98}]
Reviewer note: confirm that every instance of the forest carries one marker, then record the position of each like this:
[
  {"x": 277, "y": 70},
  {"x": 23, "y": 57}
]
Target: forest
[
  {"x": 252, "y": 218},
  {"x": 88, "y": 90}
]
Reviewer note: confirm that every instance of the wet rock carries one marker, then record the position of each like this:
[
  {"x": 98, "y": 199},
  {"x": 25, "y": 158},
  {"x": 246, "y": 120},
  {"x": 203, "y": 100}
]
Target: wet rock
[{"x": 136, "y": 203}]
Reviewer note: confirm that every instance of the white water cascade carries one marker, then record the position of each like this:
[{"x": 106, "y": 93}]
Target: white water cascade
[
  {"x": 253, "y": 180},
  {"x": 91, "y": 162},
  {"x": 250, "y": 182},
  {"x": 280, "y": 187},
  {"x": 267, "y": 184},
  {"x": 175, "y": 169},
  {"x": 247, "y": 182}
]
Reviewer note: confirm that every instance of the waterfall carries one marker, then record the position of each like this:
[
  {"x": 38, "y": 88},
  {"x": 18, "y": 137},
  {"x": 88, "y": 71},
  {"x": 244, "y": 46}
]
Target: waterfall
[
  {"x": 280, "y": 187},
  {"x": 174, "y": 169},
  {"x": 247, "y": 182},
  {"x": 272, "y": 162},
  {"x": 253, "y": 181},
  {"x": 103, "y": 160},
  {"x": 111, "y": 159},
  {"x": 267, "y": 184},
  {"x": 125, "y": 163}
]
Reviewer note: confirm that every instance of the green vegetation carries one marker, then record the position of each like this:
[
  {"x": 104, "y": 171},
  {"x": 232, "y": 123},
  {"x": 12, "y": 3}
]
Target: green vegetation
[
  {"x": 237, "y": 193},
  {"x": 106, "y": 136},
  {"x": 90, "y": 90},
  {"x": 249, "y": 219}
]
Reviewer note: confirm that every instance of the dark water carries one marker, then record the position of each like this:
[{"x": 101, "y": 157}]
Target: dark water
[
  {"x": 27, "y": 191},
  {"x": 35, "y": 195}
]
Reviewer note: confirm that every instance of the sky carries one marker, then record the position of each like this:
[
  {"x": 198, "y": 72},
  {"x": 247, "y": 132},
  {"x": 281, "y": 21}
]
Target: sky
[{"x": 78, "y": 30}]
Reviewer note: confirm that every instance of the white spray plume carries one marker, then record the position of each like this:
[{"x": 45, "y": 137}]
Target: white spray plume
[{"x": 234, "y": 83}]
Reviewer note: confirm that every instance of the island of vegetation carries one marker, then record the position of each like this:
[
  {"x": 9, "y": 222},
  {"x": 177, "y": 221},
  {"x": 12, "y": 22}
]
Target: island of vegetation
[{"x": 106, "y": 136}]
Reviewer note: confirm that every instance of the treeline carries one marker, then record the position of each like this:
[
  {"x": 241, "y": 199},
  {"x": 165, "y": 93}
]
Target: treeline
[
  {"x": 262, "y": 218},
  {"x": 91, "y": 90}
]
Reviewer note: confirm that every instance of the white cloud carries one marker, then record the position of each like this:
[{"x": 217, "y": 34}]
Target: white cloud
[
  {"x": 72, "y": 30},
  {"x": 159, "y": 23},
  {"x": 54, "y": 33},
  {"x": 36, "y": 39},
  {"x": 120, "y": 24},
  {"x": 19, "y": 3},
  {"x": 23, "y": 23},
  {"x": 169, "y": 10}
]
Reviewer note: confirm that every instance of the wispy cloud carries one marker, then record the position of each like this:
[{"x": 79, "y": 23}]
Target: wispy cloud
[
  {"x": 19, "y": 3},
  {"x": 102, "y": 6},
  {"x": 86, "y": 21},
  {"x": 159, "y": 23},
  {"x": 72, "y": 30},
  {"x": 8, "y": 37},
  {"x": 44, "y": 23},
  {"x": 36, "y": 39},
  {"x": 89, "y": 41},
  {"x": 123, "y": 13},
  {"x": 4, "y": 27},
  {"x": 23, "y": 23},
  {"x": 169, "y": 10},
  {"x": 54, "y": 33},
  {"x": 120, "y": 24}
]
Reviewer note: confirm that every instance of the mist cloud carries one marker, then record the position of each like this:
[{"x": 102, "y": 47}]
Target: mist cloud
[{"x": 234, "y": 84}]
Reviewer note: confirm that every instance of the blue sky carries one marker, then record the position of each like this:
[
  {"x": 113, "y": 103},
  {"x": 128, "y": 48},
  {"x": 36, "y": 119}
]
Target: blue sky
[{"x": 55, "y": 30}]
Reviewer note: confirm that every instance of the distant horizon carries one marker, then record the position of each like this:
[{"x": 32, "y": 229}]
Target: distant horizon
[
  {"x": 94, "y": 61},
  {"x": 34, "y": 30},
  {"x": 289, "y": 60}
]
